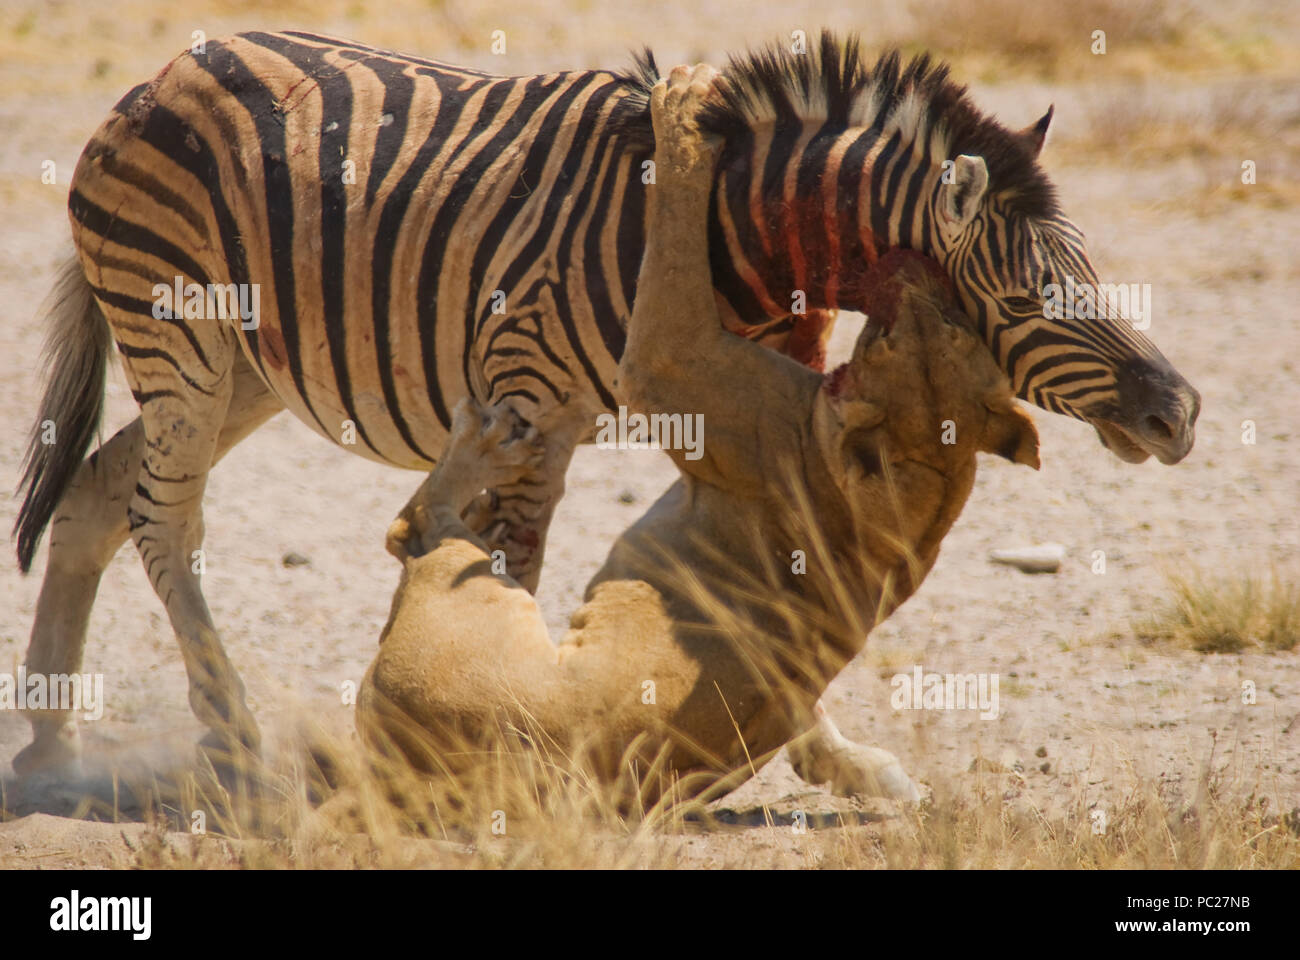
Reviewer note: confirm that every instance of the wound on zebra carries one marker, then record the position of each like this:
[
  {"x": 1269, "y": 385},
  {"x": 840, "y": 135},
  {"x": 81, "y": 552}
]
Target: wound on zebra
[{"x": 695, "y": 602}]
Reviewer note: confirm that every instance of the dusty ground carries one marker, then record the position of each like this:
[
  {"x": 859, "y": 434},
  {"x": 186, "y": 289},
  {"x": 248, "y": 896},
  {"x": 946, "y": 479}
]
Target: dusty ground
[{"x": 1148, "y": 157}]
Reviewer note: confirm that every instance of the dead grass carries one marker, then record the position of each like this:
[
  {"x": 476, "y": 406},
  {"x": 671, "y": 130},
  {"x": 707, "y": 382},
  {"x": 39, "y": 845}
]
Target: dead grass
[
  {"x": 65, "y": 48},
  {"x": 1150, "y": 123},
  {"x": 999, "y": 38},
  {"x": 512, "y": 798},
  {"x": 1217, "y": 137},
  {"x": 535, "y": 815},
  {"x": 1211, "y": 613}
]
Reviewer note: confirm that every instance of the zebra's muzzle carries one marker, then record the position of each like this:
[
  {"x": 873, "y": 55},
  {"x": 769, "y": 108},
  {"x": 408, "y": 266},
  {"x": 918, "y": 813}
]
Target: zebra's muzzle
[
  {"x": 1152, "y": 412},
  {"x": 1117, "y": 440},
  {"x": 1158, "y": 419}
]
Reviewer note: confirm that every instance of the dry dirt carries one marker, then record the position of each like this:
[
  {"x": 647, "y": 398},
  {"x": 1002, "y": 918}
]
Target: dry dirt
[{"x": 1087, "y": 709}]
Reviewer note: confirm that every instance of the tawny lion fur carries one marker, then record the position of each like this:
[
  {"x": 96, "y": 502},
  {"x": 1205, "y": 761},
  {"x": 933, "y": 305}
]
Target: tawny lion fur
[{"x": 699, "y": 602}]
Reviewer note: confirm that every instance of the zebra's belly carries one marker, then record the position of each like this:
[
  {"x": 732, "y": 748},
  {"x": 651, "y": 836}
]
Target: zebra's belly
[
  {"x": 354, "y": 409},
  {"x": 391, "y": 414}
]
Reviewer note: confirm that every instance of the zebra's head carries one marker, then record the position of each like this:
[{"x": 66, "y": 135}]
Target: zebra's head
[
  {"x": 828, "y": 162},
  {"x": 1068, "y": 343}
]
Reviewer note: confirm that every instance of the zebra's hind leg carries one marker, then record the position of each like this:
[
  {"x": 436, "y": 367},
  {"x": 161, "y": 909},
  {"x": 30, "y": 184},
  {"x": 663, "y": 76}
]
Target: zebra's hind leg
[
  {"x": 89, "y": 527},
  {"x": 183, "y": 418}
]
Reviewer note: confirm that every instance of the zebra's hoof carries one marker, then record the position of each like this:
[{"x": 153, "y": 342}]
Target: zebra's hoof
[{"x": 56, "y": 752}]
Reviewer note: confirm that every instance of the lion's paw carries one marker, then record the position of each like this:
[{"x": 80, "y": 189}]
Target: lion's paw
[
  {"x": 872, "y": 772},
  {"x": 493, "y": 445},
  {"x": 675, "y": 105},
  {"x": 856, "y": 770}
]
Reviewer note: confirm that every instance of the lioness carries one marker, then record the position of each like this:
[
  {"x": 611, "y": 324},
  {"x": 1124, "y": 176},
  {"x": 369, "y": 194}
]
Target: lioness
[{"x": 699, "y": 604}]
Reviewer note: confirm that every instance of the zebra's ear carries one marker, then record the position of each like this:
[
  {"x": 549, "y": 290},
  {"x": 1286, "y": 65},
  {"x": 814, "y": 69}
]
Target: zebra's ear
[
  {"x": 961, "y": 190},
  {"x": 1034, "y": 134}
]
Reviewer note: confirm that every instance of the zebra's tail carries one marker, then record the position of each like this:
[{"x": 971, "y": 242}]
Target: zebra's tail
[{"x": 76, "y": 354}]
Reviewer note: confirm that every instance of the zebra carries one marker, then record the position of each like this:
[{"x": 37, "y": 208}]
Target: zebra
[{"x": 421, "y": 232}]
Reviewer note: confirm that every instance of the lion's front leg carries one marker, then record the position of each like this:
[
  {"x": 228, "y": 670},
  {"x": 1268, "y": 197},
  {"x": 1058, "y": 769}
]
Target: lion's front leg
[
  {"x": 679, "y": 360},
  {"x": 490, "y": 448},
  {"x": 675, "y": 317}
]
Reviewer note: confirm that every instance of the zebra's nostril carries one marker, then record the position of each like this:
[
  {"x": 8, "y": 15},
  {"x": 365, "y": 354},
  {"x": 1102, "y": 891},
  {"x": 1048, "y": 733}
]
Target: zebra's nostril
[{"x": 1157, "y": 429}]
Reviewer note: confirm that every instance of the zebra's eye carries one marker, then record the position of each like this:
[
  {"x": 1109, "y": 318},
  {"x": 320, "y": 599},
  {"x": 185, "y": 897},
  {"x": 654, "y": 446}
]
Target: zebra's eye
[{"x": 1021, "y": 304}]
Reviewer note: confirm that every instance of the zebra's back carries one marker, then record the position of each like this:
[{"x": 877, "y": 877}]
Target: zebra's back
[{"x": 410, "y": 231}]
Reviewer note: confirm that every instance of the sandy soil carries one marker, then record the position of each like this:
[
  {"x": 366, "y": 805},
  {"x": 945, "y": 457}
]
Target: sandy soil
[{"x": 1086, "y": 708}]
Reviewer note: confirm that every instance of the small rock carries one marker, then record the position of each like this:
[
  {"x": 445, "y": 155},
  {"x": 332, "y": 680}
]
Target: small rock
[
  {"x": 1044, "y": 558},
  {"x": 1046, "y": 767},
  {"x": 292, "y": 559},
  {"x": 627, "y": 496},
  {"x": 1040, "y": 752}
]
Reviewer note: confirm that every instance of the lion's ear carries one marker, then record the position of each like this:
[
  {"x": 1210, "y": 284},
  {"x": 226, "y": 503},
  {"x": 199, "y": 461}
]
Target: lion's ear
[
  {"x": 1010, "y": 433},
  {"x": 861, "y": 414},
  {"x": 871, "y": 349},
  {"x": 857, "y": 443}
]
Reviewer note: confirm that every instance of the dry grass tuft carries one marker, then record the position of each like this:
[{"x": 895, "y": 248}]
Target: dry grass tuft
[
  {"x": 513, "y": 798},
  {"x": 1214, "y": 614},
  {"x": 1020, "y": 30},
  {"x": 69, "y": 49}
]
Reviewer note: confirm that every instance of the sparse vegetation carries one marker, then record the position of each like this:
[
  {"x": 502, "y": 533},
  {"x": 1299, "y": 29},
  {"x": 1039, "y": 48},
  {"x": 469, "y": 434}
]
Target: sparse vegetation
[
  {"x": 1153, "y": 124},
  {"x": 996, "y": 38},
  {"x": 991, "y": 40},
  {"x": 537, "y": 812},
  {"x": 1214, "y": 613},
  {"x": 1215, "y": 136}
]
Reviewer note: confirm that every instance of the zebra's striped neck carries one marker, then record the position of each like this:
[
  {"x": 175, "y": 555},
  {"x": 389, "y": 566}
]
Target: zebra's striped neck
[
  {"x": 799, "y": 215},
  {"x": 828, "y": 161}
]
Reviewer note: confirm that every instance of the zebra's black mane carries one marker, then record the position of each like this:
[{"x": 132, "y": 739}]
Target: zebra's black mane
[{"x": 831, "y": 82}]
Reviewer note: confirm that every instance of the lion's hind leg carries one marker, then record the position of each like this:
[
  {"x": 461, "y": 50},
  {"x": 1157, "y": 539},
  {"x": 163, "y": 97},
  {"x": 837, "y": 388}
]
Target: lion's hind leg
[{"x": 824, "y": 755}]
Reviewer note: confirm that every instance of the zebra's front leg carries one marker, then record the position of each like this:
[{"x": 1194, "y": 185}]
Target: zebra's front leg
[{"x": 490, "y": 447}]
